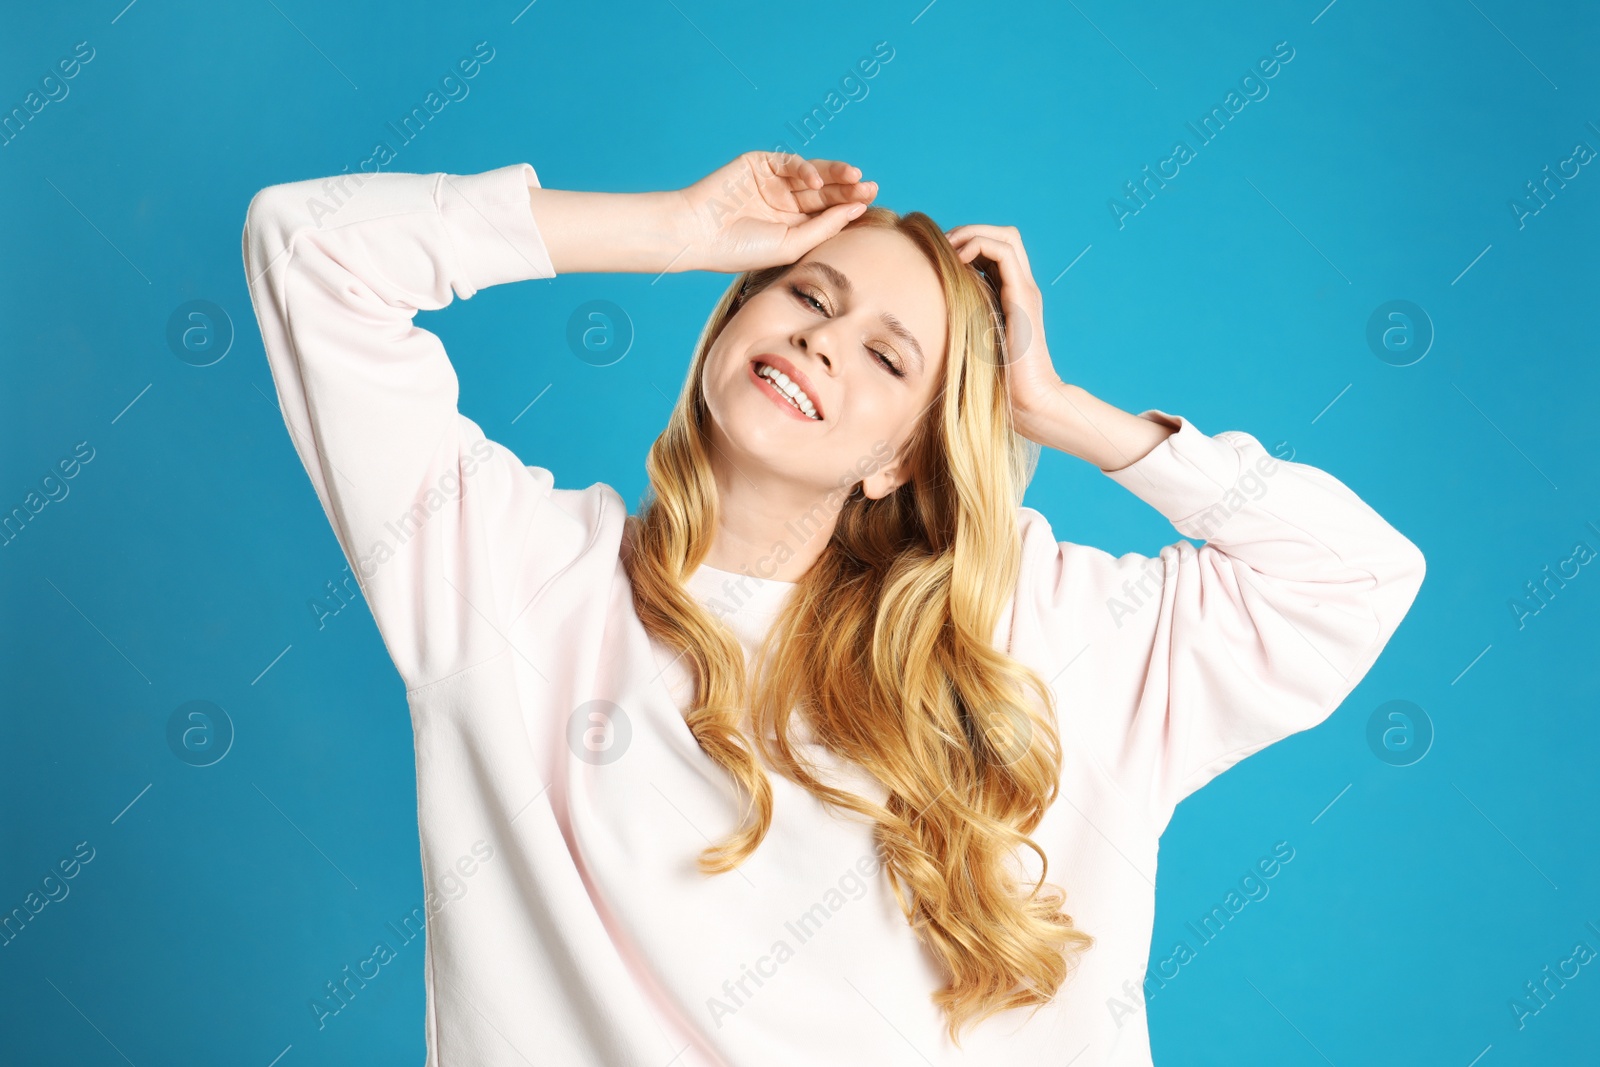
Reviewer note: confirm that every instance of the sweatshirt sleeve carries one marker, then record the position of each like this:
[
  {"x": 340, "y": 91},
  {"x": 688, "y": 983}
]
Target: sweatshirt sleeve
[
  {"x": 447, "y": 532},
  {"x": 1184, "y": 663}
]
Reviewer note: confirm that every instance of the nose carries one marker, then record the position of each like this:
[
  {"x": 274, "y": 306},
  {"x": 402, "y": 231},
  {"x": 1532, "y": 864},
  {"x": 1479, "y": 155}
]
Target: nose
[{"x": 810, "y": 348}]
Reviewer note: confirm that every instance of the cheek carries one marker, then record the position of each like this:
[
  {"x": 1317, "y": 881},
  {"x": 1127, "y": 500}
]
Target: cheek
[
  {"x": 876, "y": 415},
  {"x": 895, "y": 409},
  {"x": 721, "y": 367},
  {"x": 898, "y": 422}
]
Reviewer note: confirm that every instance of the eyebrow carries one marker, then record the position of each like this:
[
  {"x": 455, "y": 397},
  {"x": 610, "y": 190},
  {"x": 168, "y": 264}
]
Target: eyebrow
[{"x": 890, "y": 323}]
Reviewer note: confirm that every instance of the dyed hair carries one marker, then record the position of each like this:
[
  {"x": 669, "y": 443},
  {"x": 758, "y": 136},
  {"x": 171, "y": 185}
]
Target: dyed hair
[{"x": 885, "y": 648}]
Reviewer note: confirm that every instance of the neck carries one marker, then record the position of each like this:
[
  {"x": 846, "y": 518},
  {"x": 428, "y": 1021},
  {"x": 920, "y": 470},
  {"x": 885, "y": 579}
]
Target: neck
[{"x": 769, "y": 528}]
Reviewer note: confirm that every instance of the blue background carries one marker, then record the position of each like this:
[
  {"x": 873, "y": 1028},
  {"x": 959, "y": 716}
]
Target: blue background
[{"x": 183, "y": 563}]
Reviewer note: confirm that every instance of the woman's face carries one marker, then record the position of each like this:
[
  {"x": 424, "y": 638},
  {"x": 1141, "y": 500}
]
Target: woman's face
[{"x": 864, "y": 338}]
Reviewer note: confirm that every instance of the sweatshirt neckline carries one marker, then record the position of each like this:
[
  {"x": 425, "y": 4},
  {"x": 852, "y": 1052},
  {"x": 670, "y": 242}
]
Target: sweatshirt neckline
[{"x": 733, "y": 593}]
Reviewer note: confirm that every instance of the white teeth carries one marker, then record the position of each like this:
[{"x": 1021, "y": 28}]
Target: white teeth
[{"x": 787, "y": 387}]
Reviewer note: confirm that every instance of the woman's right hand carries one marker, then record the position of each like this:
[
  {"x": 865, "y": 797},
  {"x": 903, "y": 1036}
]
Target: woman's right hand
[{"x": 767, "y": 208}]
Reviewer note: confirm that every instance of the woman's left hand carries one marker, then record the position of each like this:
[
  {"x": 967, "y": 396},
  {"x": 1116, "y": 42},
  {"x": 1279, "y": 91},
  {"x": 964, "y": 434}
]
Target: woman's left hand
[{"x": 1032, "y": 378}]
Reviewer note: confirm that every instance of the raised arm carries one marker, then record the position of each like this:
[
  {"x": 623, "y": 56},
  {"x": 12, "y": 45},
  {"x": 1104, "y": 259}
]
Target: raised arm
[
  {"x": 1190, "y": 661},
  {"x": 449, "y": 534},
  {"x": 1198, "y": 657},
  {"x": 432, "y": 515}
]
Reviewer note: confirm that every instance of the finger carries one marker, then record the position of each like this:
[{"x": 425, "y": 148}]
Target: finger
[
  {"x": 809, "y": 234},
  {"x": 841, "y": 183},
  {"x": 832, "y": 170},
  {"x": 1021, "y": 302},
  {"x": 971, "y": 228},
  {"x": 813, "y": 185},
  {"x": 1006, "y": 235},
  {"x": 1001, "y": 253},
  {"x": 803, "y": 173},
  {"x": 814, "y": 200},
  {"x": 1016, "y": 279}
]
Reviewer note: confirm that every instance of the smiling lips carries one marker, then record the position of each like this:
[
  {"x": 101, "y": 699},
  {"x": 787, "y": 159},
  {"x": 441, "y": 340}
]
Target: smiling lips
[{"x": 786, "y": 385}]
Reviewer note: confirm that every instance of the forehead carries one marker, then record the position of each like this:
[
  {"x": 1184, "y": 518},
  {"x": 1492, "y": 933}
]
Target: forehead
[{"x": 887, "y": 273}]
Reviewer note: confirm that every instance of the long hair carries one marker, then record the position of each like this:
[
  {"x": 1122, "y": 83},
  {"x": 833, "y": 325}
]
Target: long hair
[{"x": 885, "y": 648}]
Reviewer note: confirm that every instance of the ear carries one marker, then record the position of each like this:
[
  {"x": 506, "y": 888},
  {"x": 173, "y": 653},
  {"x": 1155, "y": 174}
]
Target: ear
[{"x": 886, "y": 479}]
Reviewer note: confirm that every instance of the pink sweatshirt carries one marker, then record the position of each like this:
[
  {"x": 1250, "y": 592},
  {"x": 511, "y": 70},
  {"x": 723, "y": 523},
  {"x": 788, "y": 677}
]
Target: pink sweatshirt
[{"x": 561, "y": 799}]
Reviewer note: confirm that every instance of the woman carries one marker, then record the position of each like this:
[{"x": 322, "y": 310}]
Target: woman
[{"x": 917, "y": 825}]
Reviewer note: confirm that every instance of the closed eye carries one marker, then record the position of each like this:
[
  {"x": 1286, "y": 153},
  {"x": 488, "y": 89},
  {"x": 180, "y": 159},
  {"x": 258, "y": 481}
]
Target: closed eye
[{"x": 815, "y": 304}]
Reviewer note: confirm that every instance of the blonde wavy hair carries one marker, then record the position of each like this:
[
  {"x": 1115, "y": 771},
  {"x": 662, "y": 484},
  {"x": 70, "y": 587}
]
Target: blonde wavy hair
[{"x": 896, "y": 670}]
